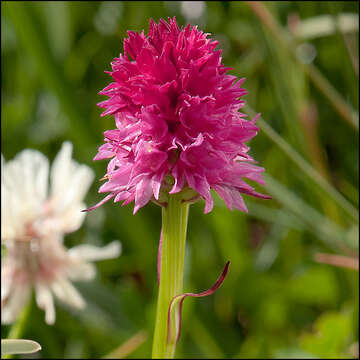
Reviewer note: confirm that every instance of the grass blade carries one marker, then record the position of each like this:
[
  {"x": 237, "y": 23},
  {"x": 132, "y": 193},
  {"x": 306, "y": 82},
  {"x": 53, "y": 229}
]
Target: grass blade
[
  {"x": 336, "y": 100},
  {"x": 327, "y": 231},
  {"x": 313, "y": 175}
]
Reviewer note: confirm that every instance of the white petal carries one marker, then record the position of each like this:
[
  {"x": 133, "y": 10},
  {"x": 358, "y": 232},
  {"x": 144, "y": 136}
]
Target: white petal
[
  {"x": 66, "y": 222},
  {"x": 93, "y": 253},
  {"x": 69, "y": 180},
  {"x": 12, "y": 190},
  {"x": 12, "y": 219},
  {"x": 77, "y": 186},
  {"x": 12, "y": 173},
  {"x": 81, "y": 181},
  {"x": 58, "y": 291},
  {"x": 45, "y": 301},
  {"x": 17, "y": 300},
  {"x": 72, "y": 218},
  {"x": 26, "y": 178},
  {"x": 7, "y": 271},
  {"x": 35, "y": 171},
  {"x": 7, "y": 221},
  {"x": 66, "y": 292},
  {"x": 61, "y": 168},
  {"x": 81, "y": 271},
  {"x": 6, "y": 285}
]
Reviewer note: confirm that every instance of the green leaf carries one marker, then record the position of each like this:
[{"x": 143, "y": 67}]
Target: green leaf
[
  {"x": 326, "y": 230},
  {"x": 18, "y": 346}
]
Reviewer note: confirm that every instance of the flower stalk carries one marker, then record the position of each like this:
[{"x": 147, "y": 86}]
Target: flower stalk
[
  {"x": 174, "y": 225},
  {"x": 17, "y": 329}
]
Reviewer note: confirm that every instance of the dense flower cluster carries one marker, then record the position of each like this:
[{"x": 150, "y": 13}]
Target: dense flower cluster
[
  {"x": 34, "y": 220},
  {"x": 177, "y": 119}
]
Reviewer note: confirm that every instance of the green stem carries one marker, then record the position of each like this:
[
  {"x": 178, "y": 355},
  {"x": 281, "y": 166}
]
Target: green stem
[
  {"x": 174, "y": 224},
  {"x": 17, "y": 329}
]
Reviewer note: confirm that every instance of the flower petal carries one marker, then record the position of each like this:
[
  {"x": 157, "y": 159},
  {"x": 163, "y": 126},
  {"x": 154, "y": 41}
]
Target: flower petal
[
  {"x": 88, "y": 252},
  {"x": 69, "y": 180},
  {"x": 81, "y": 271},
  {"x": 61, "y": 168},
  {"x": 44, "y": 300},
  {"x": 66, "y": 292},
  {"x": 17, "y": 300}
]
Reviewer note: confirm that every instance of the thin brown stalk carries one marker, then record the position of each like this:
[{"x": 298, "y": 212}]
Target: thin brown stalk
[
  {"x": 338, "y": 260},
  {"x": 128, "y": 346}
]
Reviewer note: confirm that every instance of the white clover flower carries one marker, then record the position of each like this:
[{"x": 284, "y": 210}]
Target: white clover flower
[{"x": 33, "y": 223}]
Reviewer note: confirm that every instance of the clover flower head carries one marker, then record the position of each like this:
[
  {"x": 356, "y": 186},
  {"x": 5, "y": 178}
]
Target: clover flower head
[
  {"x": 178, "y": 125},
  {"x": 33, "y": 223}
]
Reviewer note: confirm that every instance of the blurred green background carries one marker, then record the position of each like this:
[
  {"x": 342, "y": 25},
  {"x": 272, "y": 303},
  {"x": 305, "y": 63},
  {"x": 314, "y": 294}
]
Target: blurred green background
[{"x": 301, "y": 64}]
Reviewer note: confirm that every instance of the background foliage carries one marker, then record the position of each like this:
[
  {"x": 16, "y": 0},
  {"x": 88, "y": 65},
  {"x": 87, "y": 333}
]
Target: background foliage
[{"x": 277, "y": 300}]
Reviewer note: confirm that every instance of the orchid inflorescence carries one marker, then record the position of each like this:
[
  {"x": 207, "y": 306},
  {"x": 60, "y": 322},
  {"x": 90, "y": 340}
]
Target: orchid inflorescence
[{"x": 178, "y": 125}]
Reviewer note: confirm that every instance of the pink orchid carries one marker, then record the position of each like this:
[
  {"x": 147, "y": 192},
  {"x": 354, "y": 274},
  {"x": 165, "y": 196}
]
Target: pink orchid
[{"x": 177, "y": 119}]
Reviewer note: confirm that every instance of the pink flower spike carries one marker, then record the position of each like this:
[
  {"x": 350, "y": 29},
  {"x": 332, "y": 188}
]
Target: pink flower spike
[
  {"x": 179, "y": 299},
  {"x": 177, "y": 119}
]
